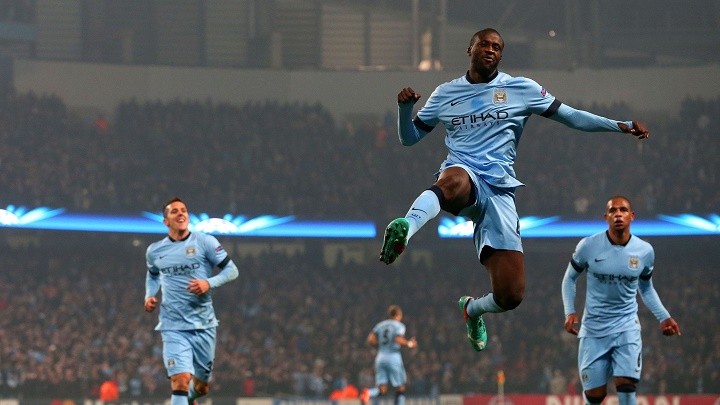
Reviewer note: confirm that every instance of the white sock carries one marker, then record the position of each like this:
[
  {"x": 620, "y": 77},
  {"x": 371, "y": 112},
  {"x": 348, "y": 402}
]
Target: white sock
[
  {"x": 423, "y": 209},
  {"x": 482, "y": 305}
]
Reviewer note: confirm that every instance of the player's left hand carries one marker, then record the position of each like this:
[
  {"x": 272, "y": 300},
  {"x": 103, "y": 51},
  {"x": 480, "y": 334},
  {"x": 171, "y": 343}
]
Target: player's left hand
[
  {"x": 198, "y": 287},
  {"x": 638, "y": 129},
  {"x": 670, "y": 327}
]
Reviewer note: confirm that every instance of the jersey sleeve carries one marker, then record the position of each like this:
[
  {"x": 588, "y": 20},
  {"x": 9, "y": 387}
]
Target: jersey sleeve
[
  {"x": 538, "y": 100},
  {"x": 152, "y": 278},
  {"x": 579, "y": 257},
  {"x": 214, "y": 251},
  {"x": 400, "y": 330},
  {"x": 429, "y": 114},
  {"x": 649, "y": 267},
  {"x": 150, "y": 262}
]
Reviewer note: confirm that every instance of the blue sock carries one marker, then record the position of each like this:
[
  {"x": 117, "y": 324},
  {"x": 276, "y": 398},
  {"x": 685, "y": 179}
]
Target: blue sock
[
  {"x": 179, "y": 397},
  {"x": 423, "y": 209},
  {"x": 192, "y": 394},
  {"x": 626, "y": 398},
  {"x": 399, "y": 398},
  {"x": 374, "y": 392},
  {"x": 481, "y": 305}
]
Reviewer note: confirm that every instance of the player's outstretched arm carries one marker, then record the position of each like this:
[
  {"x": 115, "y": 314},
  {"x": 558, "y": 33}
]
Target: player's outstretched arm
[
  {"x": 589, "y": 122},
  {"x": 638, "y": 129}
]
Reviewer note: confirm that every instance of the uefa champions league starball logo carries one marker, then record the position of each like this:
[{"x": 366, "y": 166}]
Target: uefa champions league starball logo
[
  {"x": 712, "y": 224},
  {"x": 16, "y": 216},
  {"x": 228, "y": 224},
  {"x": 461, "y": 228},
  {"x": 7, "y": 218}
]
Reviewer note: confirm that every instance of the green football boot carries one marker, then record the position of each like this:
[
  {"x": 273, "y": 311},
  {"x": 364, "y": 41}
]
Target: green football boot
[
  {"x": 395, "y": 240},
  {"x": 476, "y": 333}
]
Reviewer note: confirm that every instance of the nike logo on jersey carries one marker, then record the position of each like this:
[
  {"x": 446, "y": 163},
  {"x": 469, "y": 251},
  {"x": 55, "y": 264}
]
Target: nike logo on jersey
[
  {"x": 599, "y": 260},
  {"x": 160, "y": 257},
  {"x": 452, "y": 103}
]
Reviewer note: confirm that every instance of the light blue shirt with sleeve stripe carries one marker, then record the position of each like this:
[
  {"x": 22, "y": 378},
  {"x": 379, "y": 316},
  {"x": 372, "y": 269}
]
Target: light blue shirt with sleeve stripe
[
  {"x": 170, "y": 266},
  {"x": 615, "y": 274},
  {"x": 484, "y": 122}
]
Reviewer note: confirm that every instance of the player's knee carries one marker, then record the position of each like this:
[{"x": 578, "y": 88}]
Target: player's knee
[
  {"x": 180, "y": 381},
  {"x": 627, "y": 387},
  {"x": 594, "y": 399},
  {"x": 201, "y": 387},
  {"x": 509, "y": 300}
]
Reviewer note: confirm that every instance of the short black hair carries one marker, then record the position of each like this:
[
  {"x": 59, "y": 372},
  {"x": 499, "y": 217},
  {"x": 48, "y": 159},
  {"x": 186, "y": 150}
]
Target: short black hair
[
  {"x": 622, "y": 197},
  {"x": 484, "y": 31},
  {"x": 170, "y": 201}
]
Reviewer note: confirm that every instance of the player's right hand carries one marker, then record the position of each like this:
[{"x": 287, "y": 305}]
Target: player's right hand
[
  {"x": 408, "y": 95},
  {"x": 150, "y": 304},
  {"x": 570, "y": 322}
]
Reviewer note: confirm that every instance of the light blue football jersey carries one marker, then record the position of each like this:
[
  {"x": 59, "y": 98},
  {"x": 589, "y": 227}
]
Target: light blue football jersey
[
  {"x": 484, "y": 122},
  {"x": 386, "y": 332},
  {"x": 613, "y": 273},
  {"x": 176, "y": 262}
]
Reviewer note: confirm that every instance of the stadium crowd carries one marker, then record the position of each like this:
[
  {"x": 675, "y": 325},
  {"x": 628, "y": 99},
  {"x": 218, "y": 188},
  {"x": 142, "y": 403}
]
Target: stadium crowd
[
  {"x": 71, "y": 316},
  {"x": 294, "y": 325},
  {"x": 291, "y": 158}
]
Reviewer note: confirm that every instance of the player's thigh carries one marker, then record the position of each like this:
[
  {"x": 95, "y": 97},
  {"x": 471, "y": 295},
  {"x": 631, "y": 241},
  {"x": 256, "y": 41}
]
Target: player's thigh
[
  {"x": 204, "y": 353},
  {"x": 594, "y": 361},
  {"x": 495, "y": 218},
  {"x": 382, "y": 373},
  {"x": 397, "y": 374},
  {"x": 177, "y": 352},
  {"x": 627, "y": 355},
  {"x": 457, "y": 187}
]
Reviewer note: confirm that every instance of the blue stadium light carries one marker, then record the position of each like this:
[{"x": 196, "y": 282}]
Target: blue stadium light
[
  {"x": 18, "y": 216},
  {"x": 554, "y": 227},
  {"x": 712, "y": 225},
  {"x": 290, "y": 226},
  {"x": 262, "y": 226}
]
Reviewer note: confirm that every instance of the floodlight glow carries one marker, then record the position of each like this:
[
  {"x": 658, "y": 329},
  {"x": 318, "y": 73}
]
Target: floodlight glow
[
  {"x": 261, "y": 226},
  {"x": 227, "y": 225},
  {"x": 460, "y": 227},
  {"x": 553, "y": 227},
  {"x": 289, "y": 226},
  {"x": 15, "y": 216},
  {"x": 694, "y": 221}
]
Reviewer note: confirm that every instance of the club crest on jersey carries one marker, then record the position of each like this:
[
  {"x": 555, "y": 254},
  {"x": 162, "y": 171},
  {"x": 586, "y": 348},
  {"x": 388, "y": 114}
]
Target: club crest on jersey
[
  {"x": 171, "y": 363},
  {"x": 634, "y": 262},
  {"x": 500, "y": 96},
  {"x": 190, "y": 252},
  {"x": 543, "y": 92}
]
